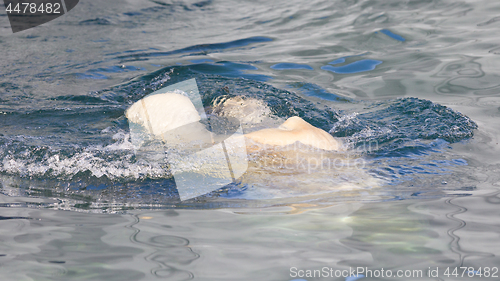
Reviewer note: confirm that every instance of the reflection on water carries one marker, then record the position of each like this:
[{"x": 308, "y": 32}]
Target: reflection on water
[
  {"x": 47, "y": 245},
  {"x": 250, "y": 244},
  {"x": 465, "y": 77}
]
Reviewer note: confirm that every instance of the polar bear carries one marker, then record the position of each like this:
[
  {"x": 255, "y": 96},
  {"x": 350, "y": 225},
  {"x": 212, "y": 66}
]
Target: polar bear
[
  {"x": 294, "y": 153},
  {"x": 166, "y": 112}
]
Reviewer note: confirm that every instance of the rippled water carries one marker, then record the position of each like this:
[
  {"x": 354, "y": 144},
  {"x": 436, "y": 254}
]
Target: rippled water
[{"x": 410, "y": 87}]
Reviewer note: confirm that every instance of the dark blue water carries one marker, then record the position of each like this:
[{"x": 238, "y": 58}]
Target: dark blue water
[{"x": 84, "y": 148}]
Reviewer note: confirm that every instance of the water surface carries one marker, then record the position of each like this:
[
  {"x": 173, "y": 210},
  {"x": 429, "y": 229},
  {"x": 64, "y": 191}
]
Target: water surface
[{"x": 411, "y": 87}]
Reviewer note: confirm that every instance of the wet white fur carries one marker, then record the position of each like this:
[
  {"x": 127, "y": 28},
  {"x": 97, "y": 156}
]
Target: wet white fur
[{"x": 163, "y": 112}]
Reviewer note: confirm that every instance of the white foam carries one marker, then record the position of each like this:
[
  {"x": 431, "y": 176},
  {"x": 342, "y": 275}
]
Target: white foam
[
  {"x": 247, "y": 111},
  {"x": 115, "y": 161}
]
